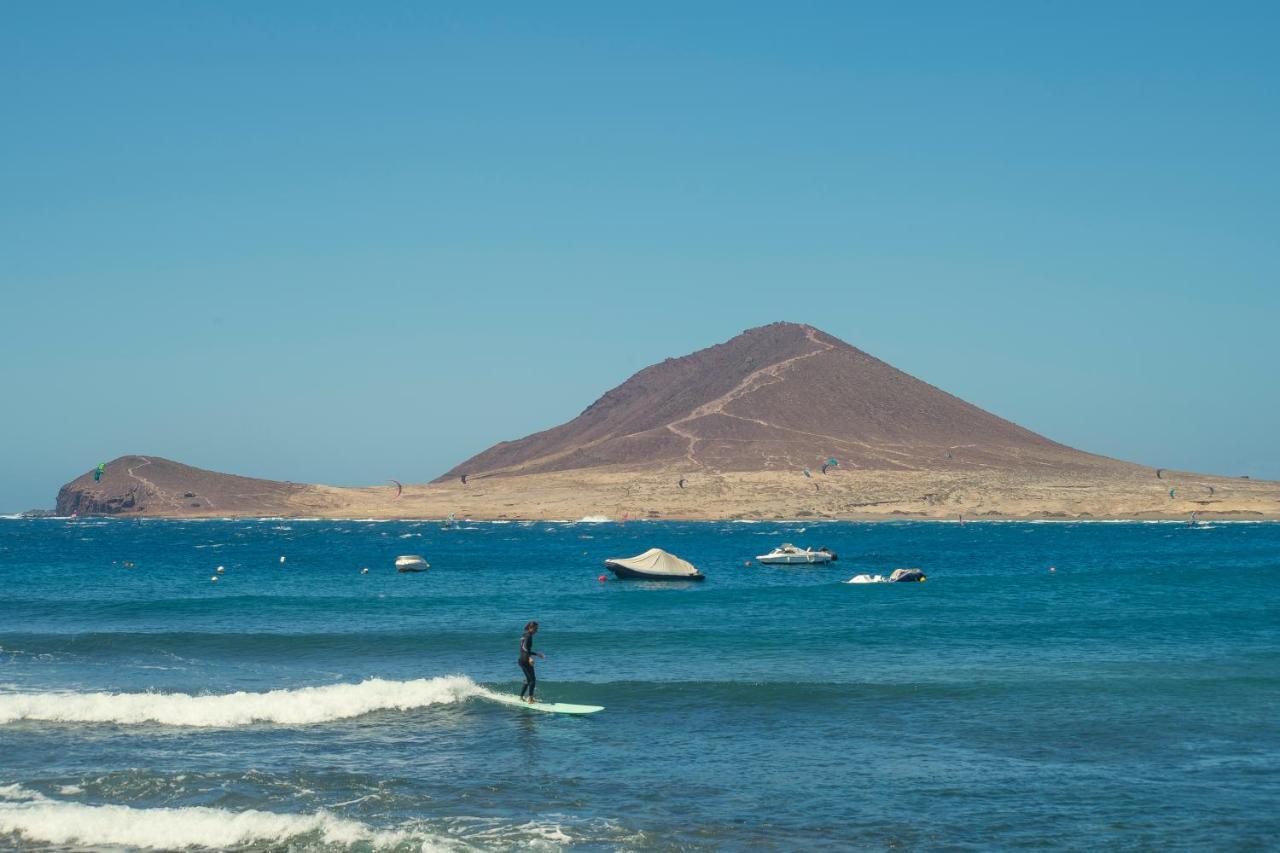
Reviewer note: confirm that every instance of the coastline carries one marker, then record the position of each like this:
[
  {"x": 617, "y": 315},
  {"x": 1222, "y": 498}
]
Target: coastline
[
  {"x": 1117, "y": 492},
  {"x": 1226, "y": 518}
]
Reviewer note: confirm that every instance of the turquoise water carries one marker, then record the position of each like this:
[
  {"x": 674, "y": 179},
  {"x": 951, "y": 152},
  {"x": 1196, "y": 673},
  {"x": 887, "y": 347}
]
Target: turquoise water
[{"x": 1126, "y": 700}]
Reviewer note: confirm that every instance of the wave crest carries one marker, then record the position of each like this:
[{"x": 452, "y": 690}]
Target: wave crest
[
  {"x": 299, "y": 707},
  {"x": 35, "y": 817}
]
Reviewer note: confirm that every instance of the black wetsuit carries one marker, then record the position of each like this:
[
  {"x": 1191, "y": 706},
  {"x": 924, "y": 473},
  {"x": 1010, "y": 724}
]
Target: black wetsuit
[{"x": 526, "y": 664}]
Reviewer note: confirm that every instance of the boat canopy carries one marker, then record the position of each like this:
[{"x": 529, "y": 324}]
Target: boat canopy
[{"x": 656, "y": 561}]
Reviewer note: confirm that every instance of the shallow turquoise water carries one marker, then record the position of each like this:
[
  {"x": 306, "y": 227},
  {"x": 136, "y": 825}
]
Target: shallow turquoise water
[{"x": 1126, "y": 700}]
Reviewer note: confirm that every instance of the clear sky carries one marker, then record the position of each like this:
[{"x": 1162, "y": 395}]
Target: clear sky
[{"x": 345, "y": 242}]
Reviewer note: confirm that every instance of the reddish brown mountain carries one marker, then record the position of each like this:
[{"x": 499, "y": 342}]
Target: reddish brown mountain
[
  {"x": 155, "y": 486},
  {"x": 778, "y": 397}
]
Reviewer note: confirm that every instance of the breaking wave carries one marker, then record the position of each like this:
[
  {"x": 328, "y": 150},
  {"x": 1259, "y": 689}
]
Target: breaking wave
[
  {"x": 299, "y": 707},
  {"x": 34, "y": 817}
]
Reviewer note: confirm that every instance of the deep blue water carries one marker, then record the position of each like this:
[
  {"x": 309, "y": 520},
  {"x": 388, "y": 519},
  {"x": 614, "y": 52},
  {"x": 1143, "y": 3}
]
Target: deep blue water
[{"x": 1127, "y": 700}]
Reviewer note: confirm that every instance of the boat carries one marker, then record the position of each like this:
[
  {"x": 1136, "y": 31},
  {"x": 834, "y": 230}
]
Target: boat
[
  {"x": 411, "y": 563},
  {"x": 654, "y": 565},
  {"x": 898, "y": 576},
  {"x": 790, "y": 555}
]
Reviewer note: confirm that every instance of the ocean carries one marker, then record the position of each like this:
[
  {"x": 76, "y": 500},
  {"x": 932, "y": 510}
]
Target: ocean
[{"x": 1127, "y": 700}]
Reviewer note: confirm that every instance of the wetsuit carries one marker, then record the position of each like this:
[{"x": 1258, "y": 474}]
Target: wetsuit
[{"x": 526, "y": 664}]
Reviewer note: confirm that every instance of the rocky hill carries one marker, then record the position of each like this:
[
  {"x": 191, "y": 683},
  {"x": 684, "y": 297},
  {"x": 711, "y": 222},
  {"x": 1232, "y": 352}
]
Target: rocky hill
[
  {"x": 781, "y": 397},
  {"x": 151, "y": 485}
]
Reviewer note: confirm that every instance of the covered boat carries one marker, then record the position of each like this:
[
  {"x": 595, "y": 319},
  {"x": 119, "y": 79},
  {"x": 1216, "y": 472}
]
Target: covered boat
[
  {"x": 654, "y": 565},
  {"x": 790, "y": 555},
  {"x": 411, "y": 563}
]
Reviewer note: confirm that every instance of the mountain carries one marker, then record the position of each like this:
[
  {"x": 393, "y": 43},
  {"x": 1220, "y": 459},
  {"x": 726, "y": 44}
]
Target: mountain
[
  {"x": 781, "y": 397},
  {"x": 737, "y": 430},
  {"x": 151, "y": 485}
]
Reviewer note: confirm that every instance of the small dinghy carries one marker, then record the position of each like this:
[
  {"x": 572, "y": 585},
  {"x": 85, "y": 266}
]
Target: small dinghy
[
  {"x": 898, "y": 576},
  {"x": 411, "y": 563},
  {"x": 654, "y": 565},
  {"x": 790, "y": 555}
]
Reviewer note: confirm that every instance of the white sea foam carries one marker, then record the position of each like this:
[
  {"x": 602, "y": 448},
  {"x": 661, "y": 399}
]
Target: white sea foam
[
  {"x": 594, "y": 519},
  {"x": 300, "y": 707},
  {"x": 37, "y": 818}
]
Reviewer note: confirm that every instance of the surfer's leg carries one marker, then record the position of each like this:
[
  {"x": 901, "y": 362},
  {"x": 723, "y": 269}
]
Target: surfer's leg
[{"x": 529, "y": 679}]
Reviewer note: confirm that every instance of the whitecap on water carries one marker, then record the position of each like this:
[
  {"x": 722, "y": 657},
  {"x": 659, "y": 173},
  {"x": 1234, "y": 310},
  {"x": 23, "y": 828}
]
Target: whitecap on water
[
  {"x": 297, "y": 707},
  {"x": 34, "y": 817}
]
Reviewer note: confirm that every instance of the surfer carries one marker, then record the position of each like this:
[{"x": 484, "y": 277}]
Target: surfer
[{"x": 526, "y": 661}]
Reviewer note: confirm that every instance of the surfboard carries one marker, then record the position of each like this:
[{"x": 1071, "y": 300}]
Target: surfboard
[{"x": 546, "y": 707}]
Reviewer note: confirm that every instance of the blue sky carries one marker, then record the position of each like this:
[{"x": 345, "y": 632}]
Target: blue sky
[{"x": 345, "y": 242}]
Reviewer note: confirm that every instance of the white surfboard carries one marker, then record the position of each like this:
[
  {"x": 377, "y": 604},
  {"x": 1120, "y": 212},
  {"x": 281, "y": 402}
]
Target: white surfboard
[{"x": 548, "y": 707}]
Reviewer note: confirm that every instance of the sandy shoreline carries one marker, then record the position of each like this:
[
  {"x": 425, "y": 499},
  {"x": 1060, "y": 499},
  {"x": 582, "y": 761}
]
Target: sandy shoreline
[{"x": 1105, "y": 493}]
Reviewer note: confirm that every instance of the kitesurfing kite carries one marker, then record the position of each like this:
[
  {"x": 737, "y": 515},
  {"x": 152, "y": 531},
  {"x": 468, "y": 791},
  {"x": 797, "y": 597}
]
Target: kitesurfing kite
[
  {"x": 806, "y": 473},
  {"x": 464, "y": 479},
  {"x": 1172, "y": 492},
  {"x": 399, "y": 487},
  {"x": 97, "y": 475},
  {"x": 1210, "y": 491},
  {"x": 831, "y": 462},
  {"x": 948, "y": 454},
  {"x": 1159, "y": 473},
  {"x": 681, "y": 483}
]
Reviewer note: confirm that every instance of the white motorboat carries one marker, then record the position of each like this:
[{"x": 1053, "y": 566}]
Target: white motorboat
[
  {"x": 411, "y": 563},
  {"x": 790, "y": 555}
]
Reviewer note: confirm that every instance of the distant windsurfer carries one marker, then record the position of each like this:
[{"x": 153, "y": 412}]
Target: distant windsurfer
[{"x": 525, "y": 660}]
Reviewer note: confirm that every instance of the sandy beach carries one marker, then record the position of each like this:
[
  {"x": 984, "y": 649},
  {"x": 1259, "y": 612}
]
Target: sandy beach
[{"x": 1111, "y": 492}]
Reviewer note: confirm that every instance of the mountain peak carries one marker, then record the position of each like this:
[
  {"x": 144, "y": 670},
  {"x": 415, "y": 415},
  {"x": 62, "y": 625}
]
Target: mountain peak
[{"x": 775, "y": 397}]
